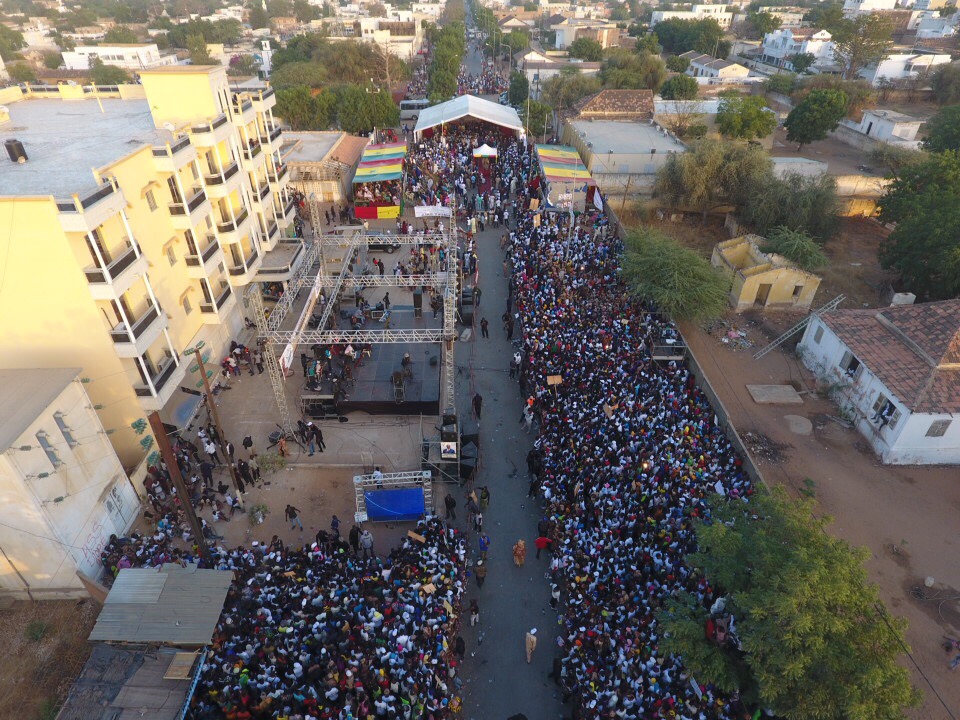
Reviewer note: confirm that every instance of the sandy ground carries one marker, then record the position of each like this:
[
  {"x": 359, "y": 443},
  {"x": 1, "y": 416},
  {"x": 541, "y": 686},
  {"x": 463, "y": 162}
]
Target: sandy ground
[{"x": 904, "y": 516}]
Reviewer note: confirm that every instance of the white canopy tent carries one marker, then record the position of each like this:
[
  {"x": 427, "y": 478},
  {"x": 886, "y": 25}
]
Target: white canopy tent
[
  {"x": 485, "y": 151},
  {"x": 468, "y": 106}
]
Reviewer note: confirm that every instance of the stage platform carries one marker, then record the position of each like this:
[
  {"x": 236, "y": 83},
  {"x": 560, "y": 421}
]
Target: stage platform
[{"x": 373, "y": 391}]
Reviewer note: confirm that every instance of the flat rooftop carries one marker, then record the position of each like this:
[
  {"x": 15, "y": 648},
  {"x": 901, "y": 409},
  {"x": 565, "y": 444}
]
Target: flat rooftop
[
  {"x": 65, "y": 140},
  {"x": 626, "y": 137},
  {"x": 309, "y": 147}
]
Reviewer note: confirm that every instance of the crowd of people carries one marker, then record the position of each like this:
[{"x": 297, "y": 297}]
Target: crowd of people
[
  {"x": 377, "y": 194},
  {"x": 627, "y": 453},
  {"x": 488, "y": 82}
]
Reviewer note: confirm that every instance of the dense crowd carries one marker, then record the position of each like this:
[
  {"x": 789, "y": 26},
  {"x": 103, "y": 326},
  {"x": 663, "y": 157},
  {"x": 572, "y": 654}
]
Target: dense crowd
[
  {"x": 378, "y": 194},
  {"x": 627, "y": 453},
  {"x": 488, "y": 82}
]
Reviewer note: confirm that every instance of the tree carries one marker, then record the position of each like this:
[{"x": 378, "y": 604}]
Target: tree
[
  {"x": 52, "y": 60},
  {"x": 826, "y": 16},
  {"x": 648, "y": 43},
  {"x": 685, "y": 119},
  {"x": 705, "y": 36},
  {"x": 797, "y": 247},
  {"x": 817, "y": 114},
  {"x": 860, "y": 93},
  {"x": 10, "y": 42},
  {"x": 103, "y": 74},
  {"x": 802, "y": 61},
  {"x": 783, "y": 83},
  {"x": 762, "y": 23},
  {"x": 197, "y": 46},
  {"x": 118, "y": 35},
  {"x": 677, "y": 64},
  {"x": 304, "y": 12},
  {"x": 299, "y": 74},
  {"x": 586, "y": 49},
  {"x": 924, "y": 202},
  {"x": 563, "y": 90},
  {"x": 861, "y": 41},
  {"x": 242, "y": 65},
  {"x": 894, "y": 158},
  {"x": 679, "y": 87},
  {"x": 712, "y": 173},
  {"x": 623, "y": 69},
  {"x": 537, "y": 117},
  {"x": 945, "y": 83},
  {"x": 298, "y": 108},
  {"x": 745, "y": 118},
  {"x": 519, "y": 88},
  {"x": 517, "y": 40},
  {"x": 21, "y": 72},
  {"x": 943, "y": 130},
  {"x": 809, "y": 644},
  {"x": 806, "y": 204},
  {"x": 258, "y": 17},
  {"x": 679, "y": 281}
]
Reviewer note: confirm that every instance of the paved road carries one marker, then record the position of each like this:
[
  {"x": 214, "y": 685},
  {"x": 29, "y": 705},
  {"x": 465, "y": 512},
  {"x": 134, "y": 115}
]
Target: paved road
[{"x": 498, "y": 681}]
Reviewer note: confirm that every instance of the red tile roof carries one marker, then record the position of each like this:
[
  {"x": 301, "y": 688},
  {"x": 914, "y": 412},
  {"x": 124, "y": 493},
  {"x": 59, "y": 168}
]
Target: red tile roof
[{"x": 913, "y": 349}]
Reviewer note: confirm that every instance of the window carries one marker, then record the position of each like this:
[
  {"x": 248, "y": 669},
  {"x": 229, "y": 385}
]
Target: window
[
  {"x": 48, "y": 448},
  {"x": 187, "y": 307},
  {"x": 818, "y": 335},
  {"x": 64, "y": 429},
  {"x": 850, "y": 365},
  {"x": 797, "y": 289},
  {"x": 885, "y": 413},
  {"x": 171, "y": 256},
  {"x": 151, "y": 200},
  {"x": 938, "y": 428}
]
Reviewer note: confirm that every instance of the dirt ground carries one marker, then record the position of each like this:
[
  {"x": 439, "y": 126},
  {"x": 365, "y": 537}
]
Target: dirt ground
[
  {"x": 904, "y": 516},
  {"x": 45, "y": 647}
]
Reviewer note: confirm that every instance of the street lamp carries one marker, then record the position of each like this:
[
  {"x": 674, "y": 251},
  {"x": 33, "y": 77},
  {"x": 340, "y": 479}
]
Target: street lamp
[{"x": 214, "y": 415}]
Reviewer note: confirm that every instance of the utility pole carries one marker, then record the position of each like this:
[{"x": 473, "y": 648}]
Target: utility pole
[
  {"x": 166, "y": 452},
  {"x": 214, "y": 415}
]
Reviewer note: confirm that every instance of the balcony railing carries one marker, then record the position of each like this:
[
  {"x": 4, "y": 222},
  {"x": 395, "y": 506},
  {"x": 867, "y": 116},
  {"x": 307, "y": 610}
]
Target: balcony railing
[
  {"x": 219, "y": 178},
  {"x": 222, "y": 298},
  {"x": 204, "y": 257},
  {"x": 159, "y": 380},
  {"x": 264, "y": 94},
  {"x": 120, "y": 334},
  {"x": 276, "y": 175},
  {"x": 272, "y": 230},
  {"x": 182, "y": 144},
  {"x": 241, "y": 107},
  {"x": 218, "y": 121},
  {"x": 86, "y": 201},
  {"x": 262, "y": 192},
  {"x": 241, "y": 269},
  {"x": 191, "y": 205},
  {"x": 231, "y": 225},
  {"x": 251, "y": 151},
  {"x": 275, "y": 133},
  {"x": 113, "y": 270}
]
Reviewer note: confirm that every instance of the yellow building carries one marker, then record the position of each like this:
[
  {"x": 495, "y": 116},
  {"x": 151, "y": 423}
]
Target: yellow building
[
  {"x": 762, "y": 280},
  {"x": 137, "y": 220}
]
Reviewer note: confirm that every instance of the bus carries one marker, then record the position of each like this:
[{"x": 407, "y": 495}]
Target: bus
[{"x": 411, "y": 109}]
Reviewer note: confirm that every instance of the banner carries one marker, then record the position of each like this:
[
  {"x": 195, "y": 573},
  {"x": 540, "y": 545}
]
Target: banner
[{"x": 432, "y": 211}]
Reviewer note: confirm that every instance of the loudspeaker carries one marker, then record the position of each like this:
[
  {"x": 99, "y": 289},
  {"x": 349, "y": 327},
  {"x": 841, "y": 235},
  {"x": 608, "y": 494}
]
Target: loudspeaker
[{"x": 418, "y": 303}]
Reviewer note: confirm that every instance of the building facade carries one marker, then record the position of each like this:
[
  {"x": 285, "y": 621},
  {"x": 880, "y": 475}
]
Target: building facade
[
  {"x": 901, "y": 66},
  {"x": 133, "y": 57},
  {"x": 120, "y": 270},
  {"x": 781, "y": 45},
  {"x": 720, "y": 13},
  {"x": 705, "y": 66},
  {"x": 63, "y": 488}
]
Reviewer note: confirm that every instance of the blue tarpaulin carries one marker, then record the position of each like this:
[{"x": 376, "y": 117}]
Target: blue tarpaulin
[{"x": 395, "y": 504}]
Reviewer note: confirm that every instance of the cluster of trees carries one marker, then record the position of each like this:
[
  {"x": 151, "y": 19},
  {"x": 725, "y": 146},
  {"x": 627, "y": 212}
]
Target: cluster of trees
[
  {"x": 569, "y": 86},
  {"x": 945, "y": 83},
  {"x": 705, "y": 36},
  {"x": 812, "y": 638},
  {"x": 313, "y": 60},
  {"x": 352, "y": 108},
  {"x": 629, "y": 69},
  {"x": 449, "y": 46},
  {"x": 227, "y": 32},
  {"x": 720, "y": 173},
  {"x": 302, "y": 10}
]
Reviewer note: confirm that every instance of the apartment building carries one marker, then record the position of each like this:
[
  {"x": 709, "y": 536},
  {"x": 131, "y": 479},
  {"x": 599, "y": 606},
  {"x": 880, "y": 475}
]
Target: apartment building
[
  {"x": 129, "y": 56},
  {"x": 779, "y": 46},
  {"x": 720, "y": 13},
  {"x": 118, "y": 269}
]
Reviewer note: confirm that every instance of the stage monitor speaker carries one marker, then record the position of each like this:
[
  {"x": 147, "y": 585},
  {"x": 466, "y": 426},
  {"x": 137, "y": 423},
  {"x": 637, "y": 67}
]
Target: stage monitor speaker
[
  {"x": 449, "y": 417},
  {"x": 448, "y": 433},
  {"x": 418, "y": 303}
]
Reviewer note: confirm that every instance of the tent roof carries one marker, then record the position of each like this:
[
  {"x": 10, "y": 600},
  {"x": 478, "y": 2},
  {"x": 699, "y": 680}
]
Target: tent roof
[
  {"x": 381, "y": 162},
  {"x": 468, "y": 106}
]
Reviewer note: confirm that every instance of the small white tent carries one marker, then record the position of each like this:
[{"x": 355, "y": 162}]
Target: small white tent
[
  {"x": 485, "y": 151},
  {"x": 468, "y": 106}
]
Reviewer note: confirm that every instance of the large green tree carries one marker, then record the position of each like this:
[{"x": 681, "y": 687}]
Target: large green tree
[
  {"x": 761, "y": 23},
  {"x": 519, "y": 88},
  {"x": 705, "y": 36},
  {"x": 10, "y": 42},
  {"x": 860, "y": 93},
  {"x": 861, "y": 41},
  {"x": 586, "y": 49},
  {"x": 678, "y": 280},
  {"x": 119, "y": 34},
  {"x": 796, "y": 246},
  {"x": 679, "y": 87},
  {"x": 199, "y": 55},
  {"x": 816, "y": 115},
  {"x": 537, "y": 117},
  {"x": 945, "y": 83},
  {"x": 299, "y": 74},
  {"x": 943, "y": 130},
  {"x": 812, "y": 640},
  {"x": 623, "y": 69},
  {"x": 103, "y": 74},
  {"x": 563, "y": 90},
  {"x": 745, "y": 118},
  {"x": 924, "y": 202},
  {"x": 711, "y": 174},
  {"x": 806, "y": 204}
]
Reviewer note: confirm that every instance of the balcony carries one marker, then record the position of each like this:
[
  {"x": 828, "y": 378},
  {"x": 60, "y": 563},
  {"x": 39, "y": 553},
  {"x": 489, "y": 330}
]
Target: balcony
[
  {"x": 277, "y": 175},
  {"x": 115, "y": 279},
  {"x": 200, "y": 266},
  {"x": 241, "y": 109},
  {"x": 214, "y": 312},
  {"x": 156, "y": 393},
  {"x": 281, "y": 263},
  {"x": 262, "y": 193},
  {"x": 244, "y": 274},
  {"x": 286, "y": 214},
  {"x": 231, "y": 231},
  {"x": 84, "y": 213},
  {"x": 221, "y": 184},
  {"x": 209, "y": 134},
  {"x": 264, "y": 100},
  {"x": 271, "y": 138},
  {"x": 134, "y": 341},
  {"x": 171, "y": 158},
  {"x": 185, "y": 216},
  {"x": 251, "y": 150}
]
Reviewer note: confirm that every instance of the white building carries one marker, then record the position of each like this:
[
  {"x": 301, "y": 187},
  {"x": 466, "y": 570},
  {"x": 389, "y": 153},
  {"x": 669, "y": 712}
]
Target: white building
[
  {"x": 133, "y": 56},
  {"x": 781, "y": 45},
  {"x": 896, "y": 374},
  {"x": 402, "y": 36},
  {"x": 63, "y": 489},
  {"x": 706, "y": 66},
  {"x": 887, "y": 126},
  {"x": 862, "y": 7},
  {"x": 932, "y": 26},
  {"x": 696, "y": 12},
  {"x": 903, "y": 65},
  {"x": 569, "y": 29}
]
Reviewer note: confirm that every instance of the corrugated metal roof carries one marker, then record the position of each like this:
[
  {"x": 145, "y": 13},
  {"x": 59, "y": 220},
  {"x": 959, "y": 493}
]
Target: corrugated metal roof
[{"x": 173, "y": 605}]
